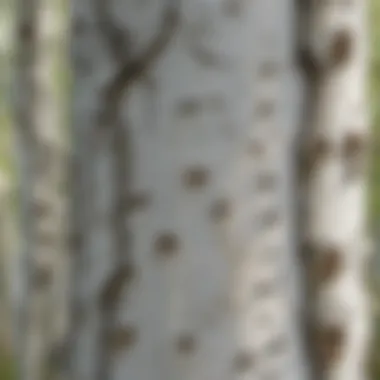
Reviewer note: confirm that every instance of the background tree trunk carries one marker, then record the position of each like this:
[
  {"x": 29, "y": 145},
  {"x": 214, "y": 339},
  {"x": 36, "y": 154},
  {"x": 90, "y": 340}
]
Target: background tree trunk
[
  {"x": 41, "y": 306},
  {"x": 334, "y": 172},
  {"x": 183, "y": 226}
]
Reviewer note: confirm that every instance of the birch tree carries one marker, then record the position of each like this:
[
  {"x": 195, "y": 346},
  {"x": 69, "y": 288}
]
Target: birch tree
[
  {"x": 184, "y": 263},
  {"x": 333, "y": 169},
  {"x": 40, "y": 155}
]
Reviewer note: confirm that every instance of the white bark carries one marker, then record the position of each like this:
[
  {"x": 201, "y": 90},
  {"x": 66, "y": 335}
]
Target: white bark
[
  {"x": 182, "y": 227},
  {"x": 41, "y": 156},
  {"x": 336, "y": 137}
]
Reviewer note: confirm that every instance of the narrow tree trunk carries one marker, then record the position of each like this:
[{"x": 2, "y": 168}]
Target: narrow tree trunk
[
  {"x": 334, "y": 173},
  {"x": 40, "y": 155},
  {"x": 24, "y": 88},
  {"x": 184, "y": 264},
  {"x": 7, "y": 245}
]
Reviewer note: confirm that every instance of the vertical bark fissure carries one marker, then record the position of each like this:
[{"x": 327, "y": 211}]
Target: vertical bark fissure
[
  {"x": 310, "y": 76},
  {"x": 112, "y": 129}
]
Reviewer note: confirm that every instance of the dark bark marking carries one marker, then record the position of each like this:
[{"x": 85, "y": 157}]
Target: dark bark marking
[
  {"x": 313, "y": 154},
  {"x": 40, "y": 207},
  {"x": 136, "y": 202},
  {"x": 354, "y": 144},
  {"x": 220, "y": 210},
  {"x": 330, "y": 341},
  {"x": 42, "y": 277},
  {"x": 122, "y": 338},
  {"x": 114, "y": 286},
  {"x": 110, "y": 128},
  {"x": 189, "y": 107},
  {"x": 26, "y": 32},
  {"x": 186, "y": 344},
  {"x": 195, "y": 177},
  {"x": 166, "y": 244},
  {"x": 265, "y": 108},
  {"x": 329, "y": 264},
  {"x": 309, "y": 64},
  {"x": 243, "y": 361},
  {"x": 268, "y": 69},
  {"x": 256, "y": 149},
  {"x": 266, "y": 181},
  {"x": 341, "y": 48},
  {"x": 47, "y": 237}
]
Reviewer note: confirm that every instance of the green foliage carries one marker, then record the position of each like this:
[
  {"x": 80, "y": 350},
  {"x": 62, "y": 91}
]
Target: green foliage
[
  {"x": 7, "y": 368},
  {"x": 374, "y": 187}
]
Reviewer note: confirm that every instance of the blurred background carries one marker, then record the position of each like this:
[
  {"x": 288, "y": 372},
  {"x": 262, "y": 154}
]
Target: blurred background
[{"x": 57, "y": 82}]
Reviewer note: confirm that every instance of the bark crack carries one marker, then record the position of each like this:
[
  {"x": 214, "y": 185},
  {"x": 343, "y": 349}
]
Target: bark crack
[{"x": 111, "y": 127}]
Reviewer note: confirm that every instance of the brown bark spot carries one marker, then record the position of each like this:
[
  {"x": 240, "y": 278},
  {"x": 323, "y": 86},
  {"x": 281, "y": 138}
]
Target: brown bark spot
[
  {"x": 42, "y": 277},
  {"x": 220, "y": 210},
  {"x": 186, "y": 344},
  {"x": 256, "y": 148},
  {"x": 195, "y": 177},
  {"x": 136, "y": 202},
  {"x": 265, "y": 108},
  {"x": 243, "y": 361},
  {"x": 122, "y": 338},
  {"x": 26, "y": 31},
  {"x": 329, "y": 262},
  {"x": 115, "y": 284},
  {"x": 266, "y": 181},
  {"x": 354, "y": 144},
  {"x": 341, "y": 48},
  {"x": 312, "y": 155},
  {"x": 329, "y": 341},
  {"x": 189, "y": 107},
  {"x": 268, "y": 69},
  {"x": 166, "y": 244},
  {"x": 309, "y": 64}
]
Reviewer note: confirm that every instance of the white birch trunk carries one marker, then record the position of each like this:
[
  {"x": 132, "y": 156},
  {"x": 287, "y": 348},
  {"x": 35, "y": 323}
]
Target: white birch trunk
[
  {"x": 334, "y": 171},
  {"x": 41, "y": 157},
  {"x": 184, "y": 264}
]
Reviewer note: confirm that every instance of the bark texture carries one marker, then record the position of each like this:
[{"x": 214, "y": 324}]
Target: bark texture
[
  {"x": 40, "y": 157},
  {"x": 333, "y": 172},
  {"x": 183, "y": 240}
]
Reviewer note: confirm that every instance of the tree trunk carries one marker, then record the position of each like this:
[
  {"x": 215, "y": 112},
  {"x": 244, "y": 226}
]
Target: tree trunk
[
  {"x": 183, "y": 247},
  {"x": 40, "y": 155},
  {"x": 335, "y": 139},
  {"x": 7, "y": 245}
]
